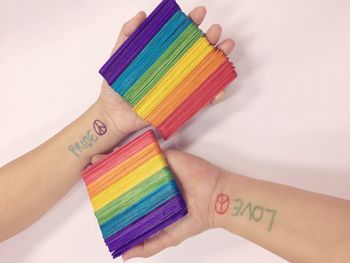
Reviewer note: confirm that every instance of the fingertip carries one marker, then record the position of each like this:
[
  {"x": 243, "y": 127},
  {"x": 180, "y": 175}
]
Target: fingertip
[
  {"x": 217, "y": 27},
  {"x": 133, "y": 23},
  {"x": 203, "y": 9},
  {"x": 214, "y": 34},
  {"x": 227, "y": 46},
  {"x": 96, "y": 158},
  {"x": 200, "y": 9},
  {"x": 141, "y": 15},
  {"x": 232, "y": 42},
  {"x": 198, "y": 14}
]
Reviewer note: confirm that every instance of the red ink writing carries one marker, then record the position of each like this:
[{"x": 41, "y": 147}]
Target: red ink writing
[{"x": 222, "y": 204}]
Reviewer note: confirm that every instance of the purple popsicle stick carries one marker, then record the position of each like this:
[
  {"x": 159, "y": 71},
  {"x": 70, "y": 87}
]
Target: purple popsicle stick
[
  {"x": 160, "y": 216},
  {"x": 150, "y": 233},
  {"x": 133, "y": 35},
  {"x": 112, "y": 69},
  {"x": 167, "y": 209},
  {"x": 131, "y": 51}
]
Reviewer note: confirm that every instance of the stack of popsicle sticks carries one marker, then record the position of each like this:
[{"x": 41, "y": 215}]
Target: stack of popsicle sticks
[
  {"x": 165, "y": 66},
  {"x": 168, "y": 71},
  {"x": 133, "y": 193}
]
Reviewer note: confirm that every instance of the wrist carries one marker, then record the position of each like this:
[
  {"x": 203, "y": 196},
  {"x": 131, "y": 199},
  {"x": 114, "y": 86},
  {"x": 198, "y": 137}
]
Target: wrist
[
  {"x": 92, "y": 133},
  {"x": 119, "y": 115},
  {"x": 115, "y": 132},
  {"x": 222, "y": 198}
]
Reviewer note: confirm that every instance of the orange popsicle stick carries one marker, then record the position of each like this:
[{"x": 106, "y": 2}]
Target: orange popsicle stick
[
  {"x": 186, "y": 87},
  {"x": 123, "y": 169}
]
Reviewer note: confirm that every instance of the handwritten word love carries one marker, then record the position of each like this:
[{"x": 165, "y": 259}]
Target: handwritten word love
[{"x": 255, "y": 213}]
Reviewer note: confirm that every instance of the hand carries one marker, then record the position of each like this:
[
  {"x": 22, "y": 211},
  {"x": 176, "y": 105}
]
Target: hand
[
  {"x": 121, "y": 118},
  {"x": 199, "y": 182}
]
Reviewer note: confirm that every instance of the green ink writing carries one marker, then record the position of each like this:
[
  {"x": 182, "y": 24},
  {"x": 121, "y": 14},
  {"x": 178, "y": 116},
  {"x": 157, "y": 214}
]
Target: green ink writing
[
  {"x": 237, "y": 209},
  {"x": 274, "y": 212},
  {"x": 258, "y": 210},
  {"x": 255, "y": 213},
  {"x": 86, "y": 142},
  {"x": 249, "y": 206}
]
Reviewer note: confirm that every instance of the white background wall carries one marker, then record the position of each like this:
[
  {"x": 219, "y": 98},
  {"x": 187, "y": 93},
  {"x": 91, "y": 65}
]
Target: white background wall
[{"x": 286, "y": 118}]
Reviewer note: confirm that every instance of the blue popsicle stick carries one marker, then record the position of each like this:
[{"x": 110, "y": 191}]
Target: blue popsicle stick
[
  {"x": 144, "y": 206},
  {"x": 155, "y": 48}
]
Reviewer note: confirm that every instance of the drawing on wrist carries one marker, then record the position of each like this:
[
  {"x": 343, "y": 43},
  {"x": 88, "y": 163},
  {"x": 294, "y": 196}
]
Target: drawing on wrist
[
  {"x": 254, "y": 212},
  {"x": 89, "y": 139},
  {"x": 222, "y": 204},
  {"x": 241, "y": 208},
  {"x": 100, "y": 128}
]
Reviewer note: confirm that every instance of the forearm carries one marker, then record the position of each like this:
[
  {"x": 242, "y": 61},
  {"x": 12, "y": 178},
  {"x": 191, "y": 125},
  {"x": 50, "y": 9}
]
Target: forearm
[
  {"x": 31, "y": 184},
  {"x": 298, "y": 225}
]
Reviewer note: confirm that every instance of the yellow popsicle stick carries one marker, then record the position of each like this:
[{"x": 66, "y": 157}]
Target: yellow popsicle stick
[
  {"x": 181, "y": 69},
  {"x": 123, "y": 185},
  {"x": 186, "y": 87},
  {"x": 123, "y": 169},
  {"x": 174, "y": 76}
]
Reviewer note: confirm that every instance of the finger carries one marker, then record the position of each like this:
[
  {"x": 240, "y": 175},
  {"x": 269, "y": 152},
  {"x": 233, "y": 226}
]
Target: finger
[
  {"x": 96, "y": 158},
  {"x": 213, "y": 34},
  {"x": 128, "y": 28},
  {"x": 116, "y": 149},
  {"x": 198, "y": 14},
  {"x": 227, "y": 46}
]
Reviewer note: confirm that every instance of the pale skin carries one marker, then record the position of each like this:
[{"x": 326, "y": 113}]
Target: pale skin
[
  {"x": 33, "y": 183},
  {"x": 297, "y": 225}
]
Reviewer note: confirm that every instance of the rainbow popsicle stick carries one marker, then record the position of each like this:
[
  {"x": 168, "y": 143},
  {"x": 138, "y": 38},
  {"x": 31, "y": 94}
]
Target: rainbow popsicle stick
[
  {"x": 133, "y": 194},
  {"x": 167, "y": 69}
]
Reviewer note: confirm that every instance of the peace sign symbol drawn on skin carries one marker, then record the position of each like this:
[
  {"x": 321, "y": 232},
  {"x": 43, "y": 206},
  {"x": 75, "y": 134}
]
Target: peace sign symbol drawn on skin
[
  {"x": 222, "y": 204},
  {"x": 100, "y": 128}
]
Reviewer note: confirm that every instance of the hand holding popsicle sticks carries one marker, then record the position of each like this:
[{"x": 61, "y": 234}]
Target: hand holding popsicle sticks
[
  {"x": 166, "y": 70},
  {"x": 171, "y": 76}
]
